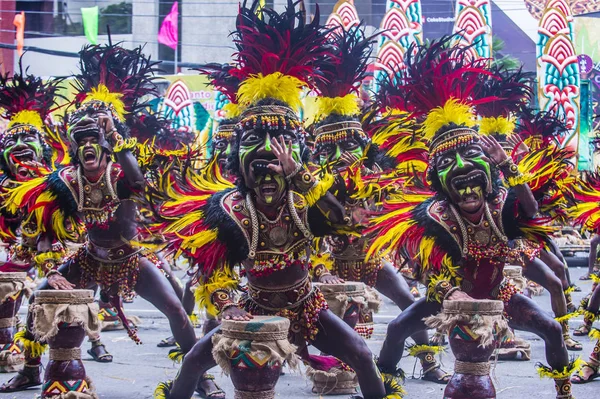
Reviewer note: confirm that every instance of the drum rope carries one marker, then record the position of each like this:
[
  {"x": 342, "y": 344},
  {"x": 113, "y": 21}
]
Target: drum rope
[
  {"x": 472, "y": 368},
  {"x": 8, "y": 322},
  {"x": 61, "y": 354},
  {"x": 254, "y": 395}
]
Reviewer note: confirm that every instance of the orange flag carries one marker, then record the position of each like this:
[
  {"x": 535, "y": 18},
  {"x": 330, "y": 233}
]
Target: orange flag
[{"x": 19, "y": 22}]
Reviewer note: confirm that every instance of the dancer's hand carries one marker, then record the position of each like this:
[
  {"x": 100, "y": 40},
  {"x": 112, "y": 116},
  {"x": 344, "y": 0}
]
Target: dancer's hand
[
  {"x": 58, "y": 282},
  {"x": 283, "y": 152},
  {"x": 235, "y": 313},
  {"x": 106, "y": 124},
  {"x": 491, "y": 146},
  {"x": 459, "y": 295},
  {"x": 330, "y": 279}
]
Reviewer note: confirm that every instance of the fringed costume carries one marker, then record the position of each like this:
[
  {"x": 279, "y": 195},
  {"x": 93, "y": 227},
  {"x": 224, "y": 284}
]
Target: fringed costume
[
  {"x": 456, "y": 228},
  {"x": 267, "y": 223}
]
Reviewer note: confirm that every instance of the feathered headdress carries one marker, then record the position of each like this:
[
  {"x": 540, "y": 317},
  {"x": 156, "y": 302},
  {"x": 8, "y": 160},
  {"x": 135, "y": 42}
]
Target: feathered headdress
[
  {"x": 277, "y": 56},
  {"x": 538, "y": 128},
  {"x": 511, "y": 90},
  {"x": 437, "y": 88},
  {"x": 26, "y": 101},
  {"x": 156, "y": 131},
  {"x": 114, "y": 77},
  {"x": 342, "y": 73},
  {"x": 223, "y": 78}
]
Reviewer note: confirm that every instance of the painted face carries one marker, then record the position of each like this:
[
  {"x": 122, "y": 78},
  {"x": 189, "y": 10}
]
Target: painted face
[
  {"x": 20, "y": 148},
  {"x": 333, "y": 154},
  {"x": 222, "y": 149},
  {"x": 255, "y": 154},
  {"x": 465, "y": 176},
  {"x": 90, "y": 154}
]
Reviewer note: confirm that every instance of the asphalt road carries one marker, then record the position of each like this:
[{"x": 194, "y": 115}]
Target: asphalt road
[{"x": 136, "y": 370}]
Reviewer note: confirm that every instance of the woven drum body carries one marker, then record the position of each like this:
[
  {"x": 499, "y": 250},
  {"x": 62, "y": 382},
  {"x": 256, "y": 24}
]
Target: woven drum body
[
  {"x": 473, "y": 328},
  {"x": 12, "y": 286},
  {"x": 515, "y": 275},
  {"x": 74, "y": 312},
  {"x": 345, "y": 300},
  {"x": 252, "y": 353}
]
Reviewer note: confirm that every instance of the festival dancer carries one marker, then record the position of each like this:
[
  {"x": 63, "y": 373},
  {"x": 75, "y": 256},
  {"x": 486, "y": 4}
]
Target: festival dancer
[
  {"x": 512, "y": 91},
  {"x": 342, "y": 145},
  {"x": 585, "y": 212},
  {"x": 31, "y": 148},
  {"x": 267, "y": 223},
  {"x": 456, "y": 230},
  {"x": 97, "y": 195}
]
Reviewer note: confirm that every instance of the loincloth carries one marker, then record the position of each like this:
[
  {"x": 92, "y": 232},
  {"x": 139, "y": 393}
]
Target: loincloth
[
  {"x": 301, "y": 304},
  {"x": 116, "y": 267}
]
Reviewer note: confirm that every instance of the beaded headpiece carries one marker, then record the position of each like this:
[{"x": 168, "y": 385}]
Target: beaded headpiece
[
  {"x": 437, "y": 87},
  {"x": 113, "y": 78},
  {"x": 26, "y": 101},
  {"x": 338, "y": 102},
  {"x": 277, "y": 56}
]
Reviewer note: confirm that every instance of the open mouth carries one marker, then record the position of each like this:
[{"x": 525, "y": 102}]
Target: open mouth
[
  {"x": 260, "y": 167},
  {"x": 470, "y": 186},
  {"x": 23, "y": 156},
  {"x": 89, "y": 156}
]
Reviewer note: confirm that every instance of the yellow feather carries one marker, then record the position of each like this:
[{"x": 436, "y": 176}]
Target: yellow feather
[
  {"x": 452, "y": 112},
  {"x": 323, "y": 259},
  {"x": 102, "y": 94},
  {"x": 319, "y": 190},
  {"x": 275, "y": 85},
  {"x": 416, "y": 350},
  {"x": 232, "y": 110},
  {"x": 594, "y": 334},
  {"x": 32, "y": 347},
  {"x": 546, "y": 372},
  {"x": 27, "y": 117},
  {"x": 224, "y": 278},
  {"x": 346, "y": 106},
  {"x": 499, "y": 125}
]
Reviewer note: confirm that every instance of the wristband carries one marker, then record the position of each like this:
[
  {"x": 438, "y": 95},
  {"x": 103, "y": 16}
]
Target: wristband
[
  {"x": 221, "y": 299},
  {"x": 304, "y": 181},
  {"x": 53, "y": 272},
  {"x": 442, "y": 288},
  {"x": 289, "y": 177},
  {"x": 450, "y": 292}
]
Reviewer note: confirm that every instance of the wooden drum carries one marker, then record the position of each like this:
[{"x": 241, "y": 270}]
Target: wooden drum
[
  {"x": 63, "y": 319},
  {"x": 252, "y": 353},
  {"x": 13, "y": 286},
  {"x": 345, "y": 300},
  {"x": 473, "y": 329}
]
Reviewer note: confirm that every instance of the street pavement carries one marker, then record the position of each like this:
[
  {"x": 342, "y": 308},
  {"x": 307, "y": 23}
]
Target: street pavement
[{"x": 136, "y": 370}]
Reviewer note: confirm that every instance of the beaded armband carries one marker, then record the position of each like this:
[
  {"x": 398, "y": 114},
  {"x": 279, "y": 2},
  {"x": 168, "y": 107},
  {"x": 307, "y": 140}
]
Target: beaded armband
[
  {"x": 320, "y": 271},
  {"x": 47, "y": 261},
  {"x": 221, "y": 299},
  {"x": 511, "y": 172},
  {"x": 303, "y": 181}
]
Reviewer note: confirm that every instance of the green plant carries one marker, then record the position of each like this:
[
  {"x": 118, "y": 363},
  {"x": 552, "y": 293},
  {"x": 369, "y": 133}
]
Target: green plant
[{"x": 118, "y": 17}]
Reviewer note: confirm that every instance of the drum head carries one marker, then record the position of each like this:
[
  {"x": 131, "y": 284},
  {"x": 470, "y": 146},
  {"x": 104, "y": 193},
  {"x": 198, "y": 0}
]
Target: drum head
[
  {"x": 64, "y": 296},
  {"x": 260, "y": 328}
]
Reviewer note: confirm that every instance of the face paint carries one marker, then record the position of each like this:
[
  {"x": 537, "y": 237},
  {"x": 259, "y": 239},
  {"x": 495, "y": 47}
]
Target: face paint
[
  {"x": 268, "y": 143},
  {"x": 95, "y": 146}
]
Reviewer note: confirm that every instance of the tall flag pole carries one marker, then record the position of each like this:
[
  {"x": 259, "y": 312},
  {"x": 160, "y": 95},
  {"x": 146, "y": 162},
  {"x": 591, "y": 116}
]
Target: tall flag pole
[
  {"x": 558, "y": 70},
  {"x": 169, "y": 31},
  {"x": 473, "y": 28},
  {"x": 401, "y": 27}
]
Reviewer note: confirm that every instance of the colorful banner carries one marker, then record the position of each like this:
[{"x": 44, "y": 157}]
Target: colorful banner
[
  {"x": 558, "y": 71},
  {"x": 169, "y": 31},
  {"x": 19, "y": 23},
  {"x": 89, "y": 16},
  {"x": 473, "y": 27}
]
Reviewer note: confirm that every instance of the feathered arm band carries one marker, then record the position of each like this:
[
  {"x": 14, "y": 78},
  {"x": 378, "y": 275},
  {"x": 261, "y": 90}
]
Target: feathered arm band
[{"x": 216, "y": 293}]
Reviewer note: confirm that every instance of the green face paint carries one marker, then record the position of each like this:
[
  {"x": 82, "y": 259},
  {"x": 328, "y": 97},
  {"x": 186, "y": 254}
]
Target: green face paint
[
  {"x": 95, "y": 146},
  {"x": 228, "y": 149},
  {"x": 296, "y": 152},
  {"x": 268, "y": 143},
  {"x": 29, "y": 140},
  {"x": 459, "y": 161}
]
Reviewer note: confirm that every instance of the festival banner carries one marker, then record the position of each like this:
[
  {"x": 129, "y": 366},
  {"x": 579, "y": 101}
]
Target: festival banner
[{"x": 89, "y": 16}]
